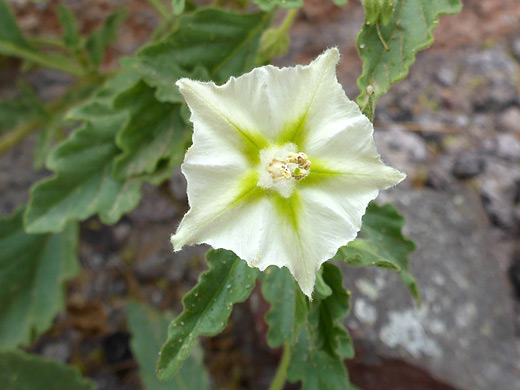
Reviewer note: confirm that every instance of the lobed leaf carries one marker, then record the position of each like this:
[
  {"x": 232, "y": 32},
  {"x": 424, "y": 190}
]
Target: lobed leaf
[
  {"x": 207, "y": 308},
  {"x": 382, "y": 244},
  {"x": 24, "y": 107},
  {"x": 71, "y": 36},
  {"x": 224, "y": 43},
  {"x": 83, "y": 184},
  {"x": 149, "y": 329},
  {"x": 332, "y": 312},
  {"x": 289, "y": 306},
  {"x": 154, "y": 132},
  {"x": 23, "y": 371},
  {"x": 33, "y": 269},
  {"x": 100, "y": 39},
  {"x": 13, "y": 43},
  {"x": 318, "y": 353},
  {"x": 408, "y": 31}
]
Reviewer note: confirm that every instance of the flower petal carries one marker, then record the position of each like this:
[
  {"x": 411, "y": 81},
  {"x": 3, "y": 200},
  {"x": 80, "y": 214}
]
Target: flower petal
[
  {"x": 346, "y": 151},
  {"x": 218, "y": 121}
]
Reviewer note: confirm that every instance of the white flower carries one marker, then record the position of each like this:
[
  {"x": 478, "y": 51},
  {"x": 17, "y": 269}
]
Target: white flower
[{"x": 282, "y": 167}]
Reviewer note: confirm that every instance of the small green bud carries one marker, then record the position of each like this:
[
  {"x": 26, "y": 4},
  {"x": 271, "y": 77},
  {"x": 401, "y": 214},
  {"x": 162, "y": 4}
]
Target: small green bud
[{"x": 274, "y": 43}]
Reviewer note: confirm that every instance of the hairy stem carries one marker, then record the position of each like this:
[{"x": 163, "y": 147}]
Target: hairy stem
[
  {"x": 281, "y": 373},
  {"x": 161, "y": 8}
]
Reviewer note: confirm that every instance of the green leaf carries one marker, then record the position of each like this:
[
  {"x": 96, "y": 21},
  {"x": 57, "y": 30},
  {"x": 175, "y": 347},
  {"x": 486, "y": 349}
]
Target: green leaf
[
  {"x": 225, "y": 43},
  {"x": 155, "y": 131},
  {"x": 408, "y": 31},
  {"x": 289, "y": 306},
  {"x": 23, "y": 371},
  {"x": 178, "y": 6},
  {"x": 25, "y": 107},
  {"x": 71, "y": 35},
  {"x": 268, "y": 5},
  {"x": 313, "y": 366},
  {"x": 13, "y": 43},
  {"x": 10, "y": 33},
  {"x": 33, "y": 269},
  {"x": 369, "y": 110},
  {"x": 382, "y": 244},
  {"x": 332, "y": 312},
  {"x": 100, "y": 39},
  {"x": 318, "y": 353},
  {"x": 83, "y": 184},
  {"x": 207, "y": 307},
  {"x": 149, "y": 329},
  {"x": 340, "y": 3}
]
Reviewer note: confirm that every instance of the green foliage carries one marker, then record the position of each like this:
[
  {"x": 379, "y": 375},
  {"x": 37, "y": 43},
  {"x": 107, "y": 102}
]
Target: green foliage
[
  {"x": 207, "y": 308},
  {"x": 382, "y": 244},
  {"x": 178, "y": 6},
  {"x": 332, "y": 312},
  {"x": 369, "y": 109},
  {"x": 26, "y": 106},
  {"x": 100, "y": 39},
  {"x": 317, "y": 355},
  {"x": 268, "y": 5},
  {"x": 153, "y": 133},
  {"x": 83, "y": 184},
  {"x": 149, "y": 329},
  {"x": 408, "y": 31},
  {"x": 22, "y": 371},
  {"x": 71, "y": 36},
  {"x": 274, "y": 43},
  {"x": 378, "y": 11},
  {"x": 223, "y": 42},
  {"x": 13, "y": 43},
  {"x": 340, "y": 3},
  {"x": 289, "y": 307},
  {"x": 33, "y": 269}
]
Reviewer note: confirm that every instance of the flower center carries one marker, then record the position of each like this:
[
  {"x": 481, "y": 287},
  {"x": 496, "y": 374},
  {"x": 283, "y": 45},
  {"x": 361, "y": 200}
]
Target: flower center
[
  {"x": 282, "y": 167},
  {"x": 295, "y": 165}
]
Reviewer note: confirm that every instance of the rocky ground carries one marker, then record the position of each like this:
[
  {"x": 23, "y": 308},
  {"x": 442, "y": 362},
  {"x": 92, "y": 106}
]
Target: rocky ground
[{"x": 453, "y": 125}]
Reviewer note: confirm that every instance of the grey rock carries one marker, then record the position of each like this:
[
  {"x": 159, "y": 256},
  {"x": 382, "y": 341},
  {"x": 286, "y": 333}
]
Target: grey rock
[
  {"x": 59, "y": 349},
  {"x": 498, "y": 191},
  {"x": 467, "y": 166},
  {"x": 516, "y": 48},
  {"x": 508, "y": 147},
  {"x": 495, "y": 71},
  {"x": 153, "y": 268},
  {"x": 463, "y": 332},
  {"x": 509, "y": 120},
  {"x": 439, "y": 178},
  {"x": 401, "y": 149},
  {"x": 446, "y": 76}
]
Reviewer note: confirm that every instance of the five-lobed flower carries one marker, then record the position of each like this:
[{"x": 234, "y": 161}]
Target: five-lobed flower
[{"x": 282, "y": 167}]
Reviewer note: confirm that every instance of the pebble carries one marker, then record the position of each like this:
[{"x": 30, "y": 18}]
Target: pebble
[
  {"x": 508, "y": 147},
  {"x": 467, "y": 166},
  {"x": 509, "y": 120}
]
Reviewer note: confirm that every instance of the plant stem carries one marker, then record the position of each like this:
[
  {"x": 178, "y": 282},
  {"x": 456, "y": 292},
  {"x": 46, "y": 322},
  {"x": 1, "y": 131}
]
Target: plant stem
[
  {"x": 14, "y": 137},
  {"x": 161, "y": 8},
  {"x": 288, "y": 20},
  {"x": 281, "y": 373},
  {"x": 47, "y": 41}
]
